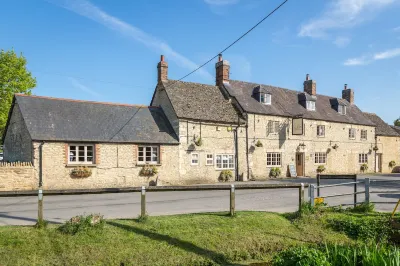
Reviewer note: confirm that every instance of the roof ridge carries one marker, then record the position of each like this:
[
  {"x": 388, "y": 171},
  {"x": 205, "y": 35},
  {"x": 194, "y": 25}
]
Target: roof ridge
[
  {"x": 190, "y": 82},
  {"x": 83, "y": 101}
]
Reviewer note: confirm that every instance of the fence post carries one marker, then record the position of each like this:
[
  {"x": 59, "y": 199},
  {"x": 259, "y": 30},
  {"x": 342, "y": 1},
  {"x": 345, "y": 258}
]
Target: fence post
[
  {"x": 40, "y": 206},
  {"x": 318, "y": 183},
  {"x": 143, "y": 202},
  {"x": 355, "y": 191},
  {"x": 301, "y": 195},
  {"x": 312, "y": 191},
  {"x": 232, "y": 200},
  {"x": 367, "y": 184}
]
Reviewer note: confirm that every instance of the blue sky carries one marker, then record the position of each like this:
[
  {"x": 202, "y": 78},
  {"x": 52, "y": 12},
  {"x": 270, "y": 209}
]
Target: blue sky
[{"x": 106, "y": 50}]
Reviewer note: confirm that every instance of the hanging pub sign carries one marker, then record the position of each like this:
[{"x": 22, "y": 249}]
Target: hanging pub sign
[{"x": 297, "y": 126}]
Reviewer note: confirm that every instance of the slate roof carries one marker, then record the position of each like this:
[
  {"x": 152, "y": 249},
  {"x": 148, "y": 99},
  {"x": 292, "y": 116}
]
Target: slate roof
[
  {"x": 382, "y": 128},
  {"x": 54, "y": 119},
  {"x": 287, "y": 103},
  {"x": 396, "y": 128},
  {"x": 199, "y": 101}
]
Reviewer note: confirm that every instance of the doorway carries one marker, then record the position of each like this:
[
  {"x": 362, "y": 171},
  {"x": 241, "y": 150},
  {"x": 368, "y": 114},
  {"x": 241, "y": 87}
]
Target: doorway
[
  {"x": 300, "y": 163},
  {"x": 378, "y": 163}
]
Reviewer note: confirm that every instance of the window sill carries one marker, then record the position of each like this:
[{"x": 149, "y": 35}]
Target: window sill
[
  {"x": 80, "y": 165},
  {"x": 270, "y": 166},
  {"x": 148, "y": 164},
  {"x": 222, "y": 169}
]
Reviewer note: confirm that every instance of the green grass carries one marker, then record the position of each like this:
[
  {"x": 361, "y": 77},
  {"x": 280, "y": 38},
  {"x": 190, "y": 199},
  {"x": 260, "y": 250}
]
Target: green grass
[{"x": 197, "y": 239}]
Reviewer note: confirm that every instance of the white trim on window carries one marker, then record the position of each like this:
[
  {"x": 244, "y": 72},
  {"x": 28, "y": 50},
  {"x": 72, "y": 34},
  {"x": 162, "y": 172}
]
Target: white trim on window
[
  {"x": 148, "y": 155},
  {"x": 209, "y": 159},
  {"x": 364, "y": 134},
  {"x": 342, "y": 109},
  {"x": 274, "y": 159},
  {"x": 224, "y": 161},
  {"x": 352, "y": 133},
  {"x": 265, "y": 98},
  {"x": 320, "y": 158},
  {"x": 310, "y": 105},
  {"x": 194, "y": 159},
  {"x": 363, "y": 158},
  {"x": 272, "y": 127},
  {"x": 81, "y": 154}
]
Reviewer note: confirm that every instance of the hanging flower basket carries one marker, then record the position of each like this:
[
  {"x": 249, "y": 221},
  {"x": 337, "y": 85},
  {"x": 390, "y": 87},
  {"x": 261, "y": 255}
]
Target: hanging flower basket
[
  {"x": 258, "y": 144},
  {"x": 148, "y": 170},
  {"x": 392, "y": 164},
  {"x": 198, "y": 142},
  {"x": 81, "y": 172}
]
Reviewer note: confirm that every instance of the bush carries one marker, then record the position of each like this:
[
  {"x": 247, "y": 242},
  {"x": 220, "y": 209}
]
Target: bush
[
  {"x": 148, "y": 170},
  {"x": 364, "y": 167},
  {"x": 225, "y": 176},
  {"x": 275, "y": 172},
  {"x": 321, "y": 169},
  {"x": 392, "y": 164},
  {"x": 81, "y": 172},
  {"x": 41, "y": 224},
  {"x": 301, "y": 256},
  {"x": 82, "y": 223},
  {"x": 363, "y": 208},
  {"x": 363, "y": 227}
]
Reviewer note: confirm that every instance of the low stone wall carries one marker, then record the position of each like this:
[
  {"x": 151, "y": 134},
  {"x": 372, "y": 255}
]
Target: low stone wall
[{"x": 17, "y": 176}]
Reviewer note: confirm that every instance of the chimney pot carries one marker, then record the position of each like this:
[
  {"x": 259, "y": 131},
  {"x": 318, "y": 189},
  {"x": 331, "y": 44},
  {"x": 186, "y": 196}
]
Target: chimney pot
[
  {"x": 222, "y": 68},
  {"x": 310, "y": 86},
  {"x": 162, "y": 70},
  {"x": 345, "y": 86},
  {"x": 308, "y": 77},
  {"x": 162, "y": 58},
  {"x": 219, "y": 57}
]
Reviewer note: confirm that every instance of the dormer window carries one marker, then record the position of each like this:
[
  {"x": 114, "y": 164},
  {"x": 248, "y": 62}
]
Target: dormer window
[
  {"x": 310, "y": 105},
  {"x": 265, "y": 98},
  {"x": 342, "y": 109}
]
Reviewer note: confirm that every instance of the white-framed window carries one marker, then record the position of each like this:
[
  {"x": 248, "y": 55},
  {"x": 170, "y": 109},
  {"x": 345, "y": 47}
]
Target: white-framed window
[
  {"x": 80, "y": 154},
  {"x": 364, "y": 134},
  {"x": 274, "y": 159},
  {"x": 352, "y": 133},
  {"x": 321, "y": 131},
  {"x": 363, "y": 158},
  {"x": 320, "y": 157},
  {"x": 310, "y": 105},
  {"x": 225, "y": 161},
  {"x": 209, "y": 159},
  {"x": 273, "y": 127},
  {"x": 265, "y": 98},
  {"x": 194, "y": 159},
  {"x": 148, "y": 155},
  {"x": 342, "y": 109}
]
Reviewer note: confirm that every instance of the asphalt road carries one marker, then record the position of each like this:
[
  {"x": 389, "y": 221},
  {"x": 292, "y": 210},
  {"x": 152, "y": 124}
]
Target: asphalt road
[{"x": 57, "y": 209}]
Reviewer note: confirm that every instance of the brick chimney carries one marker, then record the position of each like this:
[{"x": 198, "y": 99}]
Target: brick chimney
[
  {"x": 348, "y": 94},
  {"x": 310, "y": 86},
  {"x": 222, "y": 71},
  {"x": 162, "y": 70}
]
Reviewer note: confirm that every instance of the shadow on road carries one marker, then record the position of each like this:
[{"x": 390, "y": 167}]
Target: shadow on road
[
  {"x": 185, "y": 245},
  {"x": 6, "y": 216}
]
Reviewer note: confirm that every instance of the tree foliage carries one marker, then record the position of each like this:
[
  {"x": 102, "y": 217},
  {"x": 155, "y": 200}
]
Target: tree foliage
[
  {"x": 397, "y": 122},
  {"x": 14, "y": 78}
]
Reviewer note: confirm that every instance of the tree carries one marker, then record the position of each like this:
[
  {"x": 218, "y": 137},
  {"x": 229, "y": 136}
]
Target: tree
[
  {"x": 397, "y": 122},
  {"x": 14, "y": 78}
]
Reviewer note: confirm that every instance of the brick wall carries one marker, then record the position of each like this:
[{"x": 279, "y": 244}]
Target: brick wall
[
  {"x": 17, "y": 176},
  {"x": 116, "y": 167}
]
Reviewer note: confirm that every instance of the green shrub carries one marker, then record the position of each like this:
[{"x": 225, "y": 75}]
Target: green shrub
[
  {"x": 301, "y": 256},
  {"x": 225, "y": 176},
  {"x": 321, "y": 169},
  {"x": 82, "y": 223},
  {"x": 41, "y": 224},
  {"x": 364, "y": 167},
  {"x": 148, "y": 170},
  {"x": 198, "y": 142},
  {"x": 275, "y": 172},
  {"x": 392, "y": 164},
  {"x": 259, "y": 144},
  {"x": 363, "y": 208},
  {"x": 362, "y": 227}
]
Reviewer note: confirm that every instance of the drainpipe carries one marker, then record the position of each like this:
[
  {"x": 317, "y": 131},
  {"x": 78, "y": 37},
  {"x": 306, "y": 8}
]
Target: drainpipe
[
  {"x": 41, "y": 164},
  {"x": 247, "y": 148},
  {"x": 236, "y": 154}
]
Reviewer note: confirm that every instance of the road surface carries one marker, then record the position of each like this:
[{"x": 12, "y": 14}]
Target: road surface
[{"x": 57, "y": 209}]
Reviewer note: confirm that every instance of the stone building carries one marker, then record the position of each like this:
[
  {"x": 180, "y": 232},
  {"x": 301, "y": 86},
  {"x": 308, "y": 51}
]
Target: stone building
[
  {"x": 192, "y": 132},
  {"x": 387, "y": 149}
]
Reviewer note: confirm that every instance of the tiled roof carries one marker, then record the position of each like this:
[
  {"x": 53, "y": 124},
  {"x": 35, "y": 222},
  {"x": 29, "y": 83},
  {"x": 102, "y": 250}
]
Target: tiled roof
[
  {"x": 396, "y": 128},
  {"x": 199, "y": 101},
  {"x": 54, "y": 119},
  {"x": 382, "y": 128},
  {"x": 287, "y": 103}
]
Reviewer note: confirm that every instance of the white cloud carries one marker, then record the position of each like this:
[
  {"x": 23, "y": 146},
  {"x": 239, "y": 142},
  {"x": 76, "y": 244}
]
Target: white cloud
[
  {"x": 363, "y": 60},
  {"x": 86, "y": 9},
  {"x": 387, "y": 54},
  {"x": 396, "y": 29},
  {"x": 82, "y": 87},
  {"x": 366, "y": 59},
  {"x": 221, "y": 2},
  {"x": 341, "y": 14},
  {"x": 341, "y": 42}
]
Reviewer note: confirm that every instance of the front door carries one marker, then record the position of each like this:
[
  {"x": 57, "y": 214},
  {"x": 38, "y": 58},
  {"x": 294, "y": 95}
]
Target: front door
[
  {"x": 300, "y": 163},
  {"x": 378, "y": 163}
]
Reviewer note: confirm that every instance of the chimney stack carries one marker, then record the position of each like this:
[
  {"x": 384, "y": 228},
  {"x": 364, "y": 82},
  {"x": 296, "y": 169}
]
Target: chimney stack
[
  {"x": 348, "y": 94},
  {"x": 310, "y": 86},
  {"x": 162, "y": 70},
  {"x": 222, "y": 68}
]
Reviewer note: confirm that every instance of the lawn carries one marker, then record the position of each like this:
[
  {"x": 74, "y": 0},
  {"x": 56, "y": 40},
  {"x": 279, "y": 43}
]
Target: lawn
[{"x": 197, "y": 239}]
